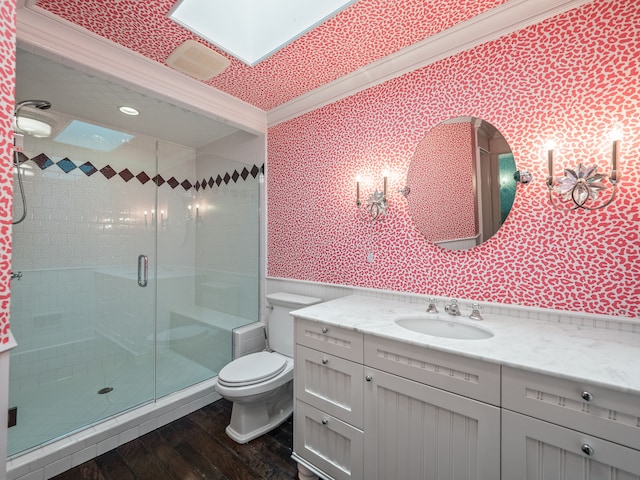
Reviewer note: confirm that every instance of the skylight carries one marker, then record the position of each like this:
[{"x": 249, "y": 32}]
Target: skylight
[
  {"x": 87, "y": 135},
  {"x": 252, "y": 30}
]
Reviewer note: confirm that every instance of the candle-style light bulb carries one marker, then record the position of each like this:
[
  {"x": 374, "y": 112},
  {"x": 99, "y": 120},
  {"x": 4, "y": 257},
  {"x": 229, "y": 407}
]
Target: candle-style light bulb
[
  {"x": 549, "y": 147},
  {"x": 385, "y": 174},
  {"x": 616, "y": 137}
]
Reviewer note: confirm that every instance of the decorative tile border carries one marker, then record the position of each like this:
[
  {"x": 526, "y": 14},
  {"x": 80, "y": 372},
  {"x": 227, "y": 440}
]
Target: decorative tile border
[{"x": 66, "y": 165}]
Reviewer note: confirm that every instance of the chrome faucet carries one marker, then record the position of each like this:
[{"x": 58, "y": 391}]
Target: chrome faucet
[
  {"x": 452, "y": 308},
  {"x": 475, "y": 312},
  {"x": 431, "y": 308}
]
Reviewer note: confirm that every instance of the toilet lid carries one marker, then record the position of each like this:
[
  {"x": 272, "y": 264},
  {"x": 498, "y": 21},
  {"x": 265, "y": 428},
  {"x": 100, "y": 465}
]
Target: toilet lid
[{"x": 252, "y": 368}]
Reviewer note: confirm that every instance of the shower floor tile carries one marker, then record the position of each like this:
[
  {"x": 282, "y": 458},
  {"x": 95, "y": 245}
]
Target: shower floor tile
[{"x": 50, "y": 411}]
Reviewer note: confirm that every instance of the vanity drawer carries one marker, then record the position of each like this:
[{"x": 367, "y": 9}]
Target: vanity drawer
[
  {"x": 334, "y": 447},
  {"x": 465, "y": 376},
  {"x": 598, "y": 411},
  {"x": 330, "y": 383},
  {"x": 533, "y": 449},
  {"x": 330, "y": 339}
]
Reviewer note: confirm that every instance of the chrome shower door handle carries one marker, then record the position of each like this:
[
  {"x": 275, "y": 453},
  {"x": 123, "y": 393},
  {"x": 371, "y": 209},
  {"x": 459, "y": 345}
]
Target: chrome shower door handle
[{"x": 143, "y": 270}]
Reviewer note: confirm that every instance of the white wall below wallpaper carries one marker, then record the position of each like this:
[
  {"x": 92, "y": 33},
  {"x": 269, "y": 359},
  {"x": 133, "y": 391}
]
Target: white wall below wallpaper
[{"x": 330, "y": 292}]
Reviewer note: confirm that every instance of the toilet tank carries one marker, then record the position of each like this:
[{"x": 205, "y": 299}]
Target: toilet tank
[{"x": 280, "y": 322}]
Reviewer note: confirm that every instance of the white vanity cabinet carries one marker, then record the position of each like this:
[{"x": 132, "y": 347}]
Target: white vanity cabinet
[
  {"x": 556, "y": 429},
  {"x": 416, "y": 431},
  {"x": 376, "y": 402},
  {"x": 372, "y": 408}
]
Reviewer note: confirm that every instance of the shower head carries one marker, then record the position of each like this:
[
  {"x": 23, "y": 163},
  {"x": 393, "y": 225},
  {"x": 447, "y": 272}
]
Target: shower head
[
  {"x": 39, "y": 104},
  {"x": 30, "y": 124}
]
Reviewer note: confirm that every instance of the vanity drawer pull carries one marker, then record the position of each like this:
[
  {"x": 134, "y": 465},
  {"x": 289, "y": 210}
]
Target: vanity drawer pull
[
  {"x": 587, "y": 450},
  {"x": 326, "y": 420},
  {"x": 325, "y": 329},
  {"x": 368, "y": 378},
  {"x": 587, "y": 396},
  {"x": 325, "y": 360}
]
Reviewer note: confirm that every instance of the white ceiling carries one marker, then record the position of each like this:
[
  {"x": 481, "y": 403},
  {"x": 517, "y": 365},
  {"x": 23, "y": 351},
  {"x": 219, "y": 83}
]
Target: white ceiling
[{"x": 82, "y": 96}]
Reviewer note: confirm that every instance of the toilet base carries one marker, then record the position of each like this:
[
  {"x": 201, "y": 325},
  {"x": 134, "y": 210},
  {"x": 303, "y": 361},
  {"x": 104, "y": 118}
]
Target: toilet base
[
  {"x": 250, "y": 420},
  {"x": 244, "y": 436}
]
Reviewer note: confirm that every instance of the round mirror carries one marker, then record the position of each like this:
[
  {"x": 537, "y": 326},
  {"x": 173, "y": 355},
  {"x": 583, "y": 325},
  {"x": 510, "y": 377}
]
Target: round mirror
[{"x": 461, "y": 185}]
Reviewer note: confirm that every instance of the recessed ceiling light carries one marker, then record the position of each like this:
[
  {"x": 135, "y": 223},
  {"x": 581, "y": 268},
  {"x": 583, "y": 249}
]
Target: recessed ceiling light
[
  {"x": 128, "y": 110},
  {"x": 252, "y": 30}
]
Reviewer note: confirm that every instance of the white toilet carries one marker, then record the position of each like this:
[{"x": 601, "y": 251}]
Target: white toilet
[{"x": 260, "y": 385}]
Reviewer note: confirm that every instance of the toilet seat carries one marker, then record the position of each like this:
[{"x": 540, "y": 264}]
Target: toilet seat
[{"x": 252, "y": 369}]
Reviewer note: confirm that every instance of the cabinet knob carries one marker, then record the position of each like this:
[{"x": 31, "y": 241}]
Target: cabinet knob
[
  {"x": 587, "y": 396},
  {"x": 587, "y": 450},
  {"x": 326, "y": 420},
  {"x": 325, "y": 360},
  {"x": 368, "y": 378},
  {"x": 325, "y": 329}
]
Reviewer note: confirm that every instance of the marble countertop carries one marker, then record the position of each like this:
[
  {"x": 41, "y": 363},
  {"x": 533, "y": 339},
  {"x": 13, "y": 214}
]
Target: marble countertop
[{"x": 597, "y": 356}]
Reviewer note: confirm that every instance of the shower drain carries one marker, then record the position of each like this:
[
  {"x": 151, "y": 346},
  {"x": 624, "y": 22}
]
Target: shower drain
[{"x": 104, "y": 390}]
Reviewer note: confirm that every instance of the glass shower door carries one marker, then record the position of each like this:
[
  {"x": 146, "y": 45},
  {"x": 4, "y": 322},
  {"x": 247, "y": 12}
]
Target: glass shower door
[
  {"x": 83, "y": 310},
  {"x": 208, "y": 257}
]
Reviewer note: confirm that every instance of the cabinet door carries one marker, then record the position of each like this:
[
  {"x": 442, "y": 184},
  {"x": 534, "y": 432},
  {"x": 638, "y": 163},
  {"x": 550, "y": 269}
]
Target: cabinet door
[
  {"x": 327, "y": 443},
  {"x": 330, "y": 383},
  {"x": 536, "y": 450},
  {"x": 417, "y": 432}
]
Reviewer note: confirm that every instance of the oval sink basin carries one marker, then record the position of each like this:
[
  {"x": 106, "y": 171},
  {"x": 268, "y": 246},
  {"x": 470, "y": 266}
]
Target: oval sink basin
[{"x": 437, "y": 327}]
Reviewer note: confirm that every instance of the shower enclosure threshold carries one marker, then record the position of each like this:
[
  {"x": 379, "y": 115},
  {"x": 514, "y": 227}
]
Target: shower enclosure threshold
[{"x": 86, "y": 444}]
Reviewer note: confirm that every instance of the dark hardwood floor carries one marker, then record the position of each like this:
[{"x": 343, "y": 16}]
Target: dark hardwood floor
[{"x": 195, "y": 447}]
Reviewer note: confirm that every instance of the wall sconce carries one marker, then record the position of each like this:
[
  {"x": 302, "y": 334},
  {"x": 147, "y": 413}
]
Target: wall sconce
[
  {"x": 581, "y": 184},
  {"x": 375, "y": 208},
  {"x": 188, "y": 217}
]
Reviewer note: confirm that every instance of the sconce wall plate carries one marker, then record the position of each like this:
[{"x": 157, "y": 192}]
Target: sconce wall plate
[{"x": 523, "y": 177}]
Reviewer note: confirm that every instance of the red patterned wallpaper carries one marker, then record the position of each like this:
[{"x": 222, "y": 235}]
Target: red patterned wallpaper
[
  {"x": 366, "y": 31},
  {"x": 571, "y": 77},
  {"x": 440, "y": 178},
  {"x": 7, "y": 88}
]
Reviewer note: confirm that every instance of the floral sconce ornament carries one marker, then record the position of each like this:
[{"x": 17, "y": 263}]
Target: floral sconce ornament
[
  {"x": 583, "y": 184},
  {"x": 375, "y": 207}
]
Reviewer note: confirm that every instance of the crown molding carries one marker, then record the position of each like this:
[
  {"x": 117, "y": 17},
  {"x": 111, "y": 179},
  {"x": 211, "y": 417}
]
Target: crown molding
[
  {"x": 490, "y": 25},
  {"x": 45, "y": 34}
]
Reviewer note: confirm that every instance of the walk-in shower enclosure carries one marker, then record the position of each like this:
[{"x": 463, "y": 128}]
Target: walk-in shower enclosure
[{"x": 138, "y": 255}]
